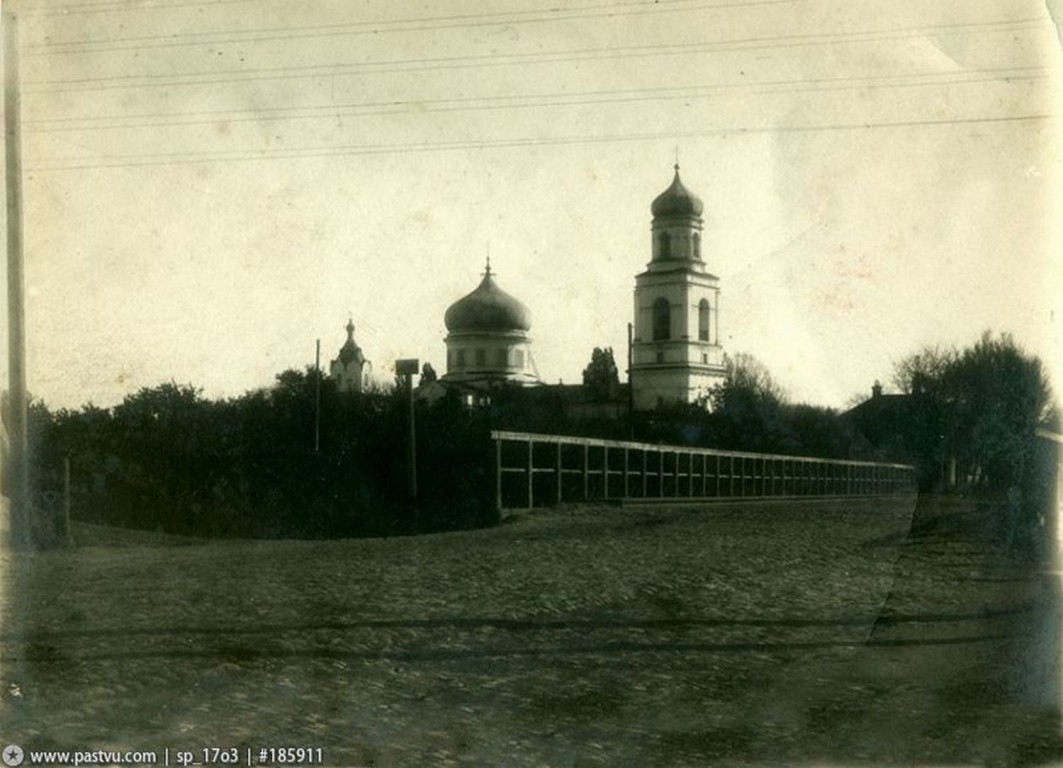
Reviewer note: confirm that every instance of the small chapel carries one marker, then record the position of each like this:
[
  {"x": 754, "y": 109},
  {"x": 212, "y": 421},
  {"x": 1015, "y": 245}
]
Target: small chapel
[{"x": 350, "y": 369}]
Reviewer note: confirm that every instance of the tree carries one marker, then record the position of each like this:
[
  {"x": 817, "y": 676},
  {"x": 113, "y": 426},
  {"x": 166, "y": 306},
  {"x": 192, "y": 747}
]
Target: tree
[
  {"x": 998, "y": 396},
  {"x": 747, "y": 404},
  {"x": 601, "y": 378},
  {"x": 747, "y": 382},
  {"x": 923, "y": 370},
  {"x": 981, "y": 407}
]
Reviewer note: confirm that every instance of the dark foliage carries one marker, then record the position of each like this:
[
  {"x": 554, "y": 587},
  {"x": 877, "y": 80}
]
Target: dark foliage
[
  {"x": 973, "y": 417},
  {"x": 262, "y": 466},
  {"x": 748, "y": 406},
  {"x": 749, "y": 411},
  {"x": 167, "y": 459},
  {"x": 811, "y": 430},
  {"x": 979, "y": 407}
]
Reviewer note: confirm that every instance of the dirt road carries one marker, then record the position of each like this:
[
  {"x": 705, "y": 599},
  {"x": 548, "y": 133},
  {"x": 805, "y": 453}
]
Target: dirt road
[{"x": 782, "y": 634}]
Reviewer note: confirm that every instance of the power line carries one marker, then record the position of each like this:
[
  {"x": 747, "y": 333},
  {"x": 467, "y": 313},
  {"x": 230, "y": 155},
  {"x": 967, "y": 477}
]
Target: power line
[
  {"x": 537, "y": 101},
  {"x": 225, "y": 156},
  {"x": 112, "y": 6},
  {"x": 123, "y": 5},
  {"x": 463, "y": 21},
  {"x": 513, "y": 59}
]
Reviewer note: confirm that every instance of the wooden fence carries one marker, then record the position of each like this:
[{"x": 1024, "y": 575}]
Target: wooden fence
[{"x": 532, "y": 470}]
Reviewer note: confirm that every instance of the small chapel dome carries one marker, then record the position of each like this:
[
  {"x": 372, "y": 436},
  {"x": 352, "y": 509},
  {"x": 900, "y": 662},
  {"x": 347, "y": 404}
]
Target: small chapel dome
[
  {"x": 677, "y": 200},
  {"x": 350, "y": 351},
  {"x": 350, "y": 369},
  {"x": 488, "y": 308}
]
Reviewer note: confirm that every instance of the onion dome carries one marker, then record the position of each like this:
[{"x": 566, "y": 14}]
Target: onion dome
[
  {"x": 350, "y": 351},
  {"x": 488, "y": 308},
  {"x": 677, "y": 200}
]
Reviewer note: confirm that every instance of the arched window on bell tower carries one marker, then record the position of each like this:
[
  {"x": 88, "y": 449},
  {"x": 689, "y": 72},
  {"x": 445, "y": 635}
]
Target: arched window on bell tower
[
  {"x": 664, "y": 246},
  {"x": 697, "y": 246},
  {"x": 662, "y": 320},
  {"x": 703, "y": 320}
]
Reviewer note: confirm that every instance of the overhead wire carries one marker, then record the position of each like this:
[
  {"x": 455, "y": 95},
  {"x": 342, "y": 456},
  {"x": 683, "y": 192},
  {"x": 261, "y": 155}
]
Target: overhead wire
[
  {"x": 325, "y": 151},
  {"x": 416, "y": 24},
  {"x": 111, "y": 82},
  {"x": 534, "y": 101},
  {"x": 69, "y": 123},
  {"x": 117, "y": 6}
]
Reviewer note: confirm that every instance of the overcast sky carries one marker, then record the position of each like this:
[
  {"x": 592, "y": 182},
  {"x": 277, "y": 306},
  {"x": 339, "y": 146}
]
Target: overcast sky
[{"x": 212, "y": 186}]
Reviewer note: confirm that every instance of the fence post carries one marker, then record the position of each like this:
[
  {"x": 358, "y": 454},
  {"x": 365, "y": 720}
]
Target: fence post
[
  {"x": 627, "y": 464},
  {"x": 68, "y": 532},
  {"x": 586, "y": 469},
  {"x": 605, "y": 471},
  {"x": 498, "y": 474},
  {"x": 531, "y": 472},
  {"x": 559, "y": 472}
]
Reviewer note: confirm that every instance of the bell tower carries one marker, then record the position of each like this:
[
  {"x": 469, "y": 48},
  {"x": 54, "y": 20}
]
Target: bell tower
[{"x": 676, "y": 354}]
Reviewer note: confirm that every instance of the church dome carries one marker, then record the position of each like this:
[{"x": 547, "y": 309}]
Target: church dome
[
  {"x": 488, "y": 308},
  {"x": 677, "y": 200},
  {"x": 350, "y": 351}
]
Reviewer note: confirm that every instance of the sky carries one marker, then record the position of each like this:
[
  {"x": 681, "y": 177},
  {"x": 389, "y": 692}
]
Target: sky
[{"x": 211, "y": 187}]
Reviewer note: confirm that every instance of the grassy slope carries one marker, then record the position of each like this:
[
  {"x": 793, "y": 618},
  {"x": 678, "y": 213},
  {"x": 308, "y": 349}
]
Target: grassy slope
[{"x": 782, "y": 633}]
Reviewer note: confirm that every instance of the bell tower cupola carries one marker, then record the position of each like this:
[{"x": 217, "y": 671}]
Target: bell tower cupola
[{"x": 676, "y": 227}]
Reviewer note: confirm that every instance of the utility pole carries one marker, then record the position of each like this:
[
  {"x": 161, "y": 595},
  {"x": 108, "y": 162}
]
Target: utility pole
[
  {"x": 317, "y": 398},
  {"x": 407, "y": 369},
  {"x": 19, "y": 524},
  {"x": 630, "y": 386},
  {"x": 412, "y": 458}
]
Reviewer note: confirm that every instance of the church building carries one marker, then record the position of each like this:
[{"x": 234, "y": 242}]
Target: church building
[
  {"x": 350, "y": 370},
  {"x": 676, "y": 354},
  {"x": 487, "y": 338}
]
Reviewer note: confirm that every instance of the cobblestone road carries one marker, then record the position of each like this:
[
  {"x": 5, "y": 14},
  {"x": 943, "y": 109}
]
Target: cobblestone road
[{"x": 779, "y": 634}]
